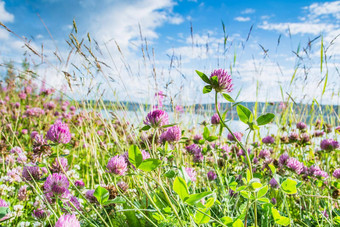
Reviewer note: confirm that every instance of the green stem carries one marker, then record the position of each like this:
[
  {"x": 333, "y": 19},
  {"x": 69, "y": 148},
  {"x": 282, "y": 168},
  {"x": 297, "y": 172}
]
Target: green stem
[{"x": 242, "y": 147}]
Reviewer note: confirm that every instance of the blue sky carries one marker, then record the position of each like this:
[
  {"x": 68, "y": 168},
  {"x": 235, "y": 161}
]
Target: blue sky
[{"x": 165, "y": 24}]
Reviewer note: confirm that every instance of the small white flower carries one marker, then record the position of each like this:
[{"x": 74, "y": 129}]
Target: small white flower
[{"x": 77, "y": 167}]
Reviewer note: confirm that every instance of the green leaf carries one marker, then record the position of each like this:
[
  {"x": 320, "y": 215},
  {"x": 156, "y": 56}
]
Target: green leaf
[
  {"x": 228, "y": 98},
  {"x": 167, "y": 126},
  {"x": 227, "y": 220},
  {"x": 146, "y": 128},
  {"x": 212, "y": 138},
  {"x": 3, "y": 211},
  {"x": 214, "y": 81},
  {"x": 203, "y": 76},
  {"x": 207, "y": 89},
  {"x": 181, "y": 188},
  {"x": 244, "y": 114},
  {"x": 210, "y": 202},
  {"x": 238, "y": 223},
  {"x": 263, "y": 200},
  {"x": 245, "y": 194},
  {"x": 149, "y": 164},
  {"x": 206, "y": 133},
  {"x": 170, "y": 174},
  {"x": 262, "y": 192},
  {"x": 130, "y": 215},
  {"x": 201, "y": 218},
  {"x": 265, "y": 119},
  {"x": 101, "y": 194},
  {"x": 280, "y": 220},
  {"x": 194, "y": 198},
  {"x": 248, "y": 175},
  {"x": 115, "y": 200},
  {"x": 272, "y": 168},
  {"x": 289, "y": 186},
  {"x": 135, "y": 156}
]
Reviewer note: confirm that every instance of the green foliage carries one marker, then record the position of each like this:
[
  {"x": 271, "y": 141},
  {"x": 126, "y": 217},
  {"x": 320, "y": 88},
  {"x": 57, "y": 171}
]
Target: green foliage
[
  {"x": 181, "y": 188},
  {"x": 289, "y": 186}
]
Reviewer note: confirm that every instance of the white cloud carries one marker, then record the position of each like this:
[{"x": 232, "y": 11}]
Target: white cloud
[
  {"x": 298, "y": 28},
  {"x": 242, "y": 19},
  {"x": 248, "y": 11},
  {"x": 326, "y": 8},
  {"x": 4, "y": 15}
]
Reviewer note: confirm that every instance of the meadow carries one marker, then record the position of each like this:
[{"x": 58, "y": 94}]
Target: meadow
[{"x": 63, "y": 163}]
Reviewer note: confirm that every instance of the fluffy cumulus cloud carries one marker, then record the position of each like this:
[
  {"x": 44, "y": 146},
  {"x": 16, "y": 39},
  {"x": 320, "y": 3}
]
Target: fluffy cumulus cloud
[
  {"x": 242, "y": 19},
  {"x": 4, "y": 15}
]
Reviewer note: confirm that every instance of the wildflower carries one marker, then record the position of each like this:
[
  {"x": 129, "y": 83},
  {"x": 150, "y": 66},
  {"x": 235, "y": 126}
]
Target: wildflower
[
  {"x": 90, "y": 197},
  {"x": 197, "y": 138},
  {"x": 16, "y": 150},
  {"x": 212, "y": 175},
  {"x": 238, "y": 136},
  {"x": 268, "y": 140},
  {"x": 329, "y": 144},
  {"x": 273, "y": 183},
  {"x": 172, "y": 134},
  {"x": 56, "y": 184},
  {"x": 336, "y": 173},
  {"x": 39, "y": 214},
  {"x": 123, "y": 186},
  {"x": 3, "y": 203},
  {"x": 67, "y": 220},
  {"x": 73, "y": 204},
  {"x": 264, "y": 154},
  {"x": 157, "y": 118},
  {"x": 215, "y": 119},
  {"x": 305, "y": 138},
  {"x": 24, "y": 131},
  {"x": 117, "y": 165},
  {"x": 224, "y": 81},
  {"x": 193, "y": 148},
  {"x": 145, "y": 154},
  {"x": 283, "y": 159},
  {"x": 198, "y": 157},
  {"x": 301, "y": 126},
  {"x": 79, "y": 183},
  {"x": 293, "y": 137},
  {"x": 191, "y": 173},
  {"x": 56, "y": 168},
  {"x": 273, "y": 201},
  {"x": 22, "y": 193},
  {"x": 59, "y": 133},
  {"x": 31, "y": 172},
  {"x": 295, "y": 165}
]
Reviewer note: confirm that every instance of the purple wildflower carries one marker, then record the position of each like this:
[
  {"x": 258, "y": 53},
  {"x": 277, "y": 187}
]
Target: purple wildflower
[
  {"x": 215, "y": 119},
  {"x": 273, "y": 183},
  {"x": 193, "y": 148},
  {"x": 157, "y": 118},
  {"x": 295, "y": 165},
  {"x": 79, "y": 183},
  {"x": 22, "y": 193},
  {"x": 56, "y": 168},
  {"x": 273, "y": 201},
  {"x": 191, "y": 173},
  {"x": 172, "y": 134},
  {"x": 3, "y": 203},
  {"x": 67, "y": 220},
  {"x": 59, "y": 133},
  {"x": 16, "y": 150},
  {"x": 283, "y": 159},
  {"x": 238, "y": 136},
  {"x": 57, "y": 184},
  {"x": 329, "y": 144},
  {"x": 31, "y": 172},
  {"x": 145, "y": 154},
  {"x": 268, "y": 140},
  {"x": 224, "y": 81},
  {"x": 197, "y": 138},
  {"x": 198, "y": 157},
  {"x": 293, "y": 137},
  {"x": 264, "y": 154},
  {"x": 336, "y": 173},
  {"x": 117, "y": 165},
  {"x": 212, "y": 175},
  {"x": 301, "y": 126},
  {"x": 39, "y": 214},
  {"x": 90, "y": 197}
]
